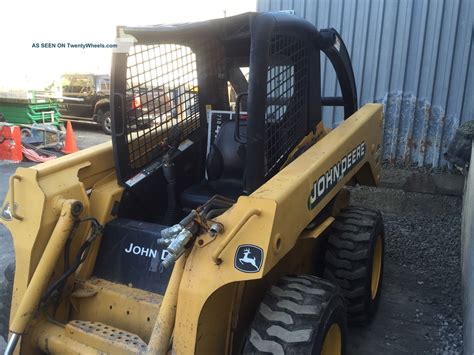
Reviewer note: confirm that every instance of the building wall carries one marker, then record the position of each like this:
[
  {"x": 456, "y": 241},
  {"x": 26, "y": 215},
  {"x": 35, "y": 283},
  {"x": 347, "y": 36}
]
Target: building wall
[{"x": 415, "y": 56}]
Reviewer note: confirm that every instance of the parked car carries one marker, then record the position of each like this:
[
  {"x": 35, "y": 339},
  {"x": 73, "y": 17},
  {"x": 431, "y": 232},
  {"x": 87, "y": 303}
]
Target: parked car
[{"x": 86, "y": 97}]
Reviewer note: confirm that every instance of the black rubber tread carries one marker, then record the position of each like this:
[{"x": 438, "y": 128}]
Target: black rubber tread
[
  {"x": 295, "y": 316},
  {"x": 348, "y": 259},
  {"x": 6, "y": 289}
]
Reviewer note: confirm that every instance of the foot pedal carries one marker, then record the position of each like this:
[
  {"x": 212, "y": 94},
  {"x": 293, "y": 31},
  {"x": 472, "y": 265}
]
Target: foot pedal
[{"x": 105, "y": 338}]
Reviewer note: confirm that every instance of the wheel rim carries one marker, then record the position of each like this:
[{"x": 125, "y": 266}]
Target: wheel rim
[
  {"x": 376, "y": 267},
  {"x": 332, "y": 344},
  {"x": 108, "y": 124}
]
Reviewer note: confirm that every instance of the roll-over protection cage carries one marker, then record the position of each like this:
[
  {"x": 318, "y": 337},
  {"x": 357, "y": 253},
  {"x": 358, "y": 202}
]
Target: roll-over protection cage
[{"x": 163, "y": 84}]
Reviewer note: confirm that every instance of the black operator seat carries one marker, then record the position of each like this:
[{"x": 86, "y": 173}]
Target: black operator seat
[{"x": 225, "y": 167}]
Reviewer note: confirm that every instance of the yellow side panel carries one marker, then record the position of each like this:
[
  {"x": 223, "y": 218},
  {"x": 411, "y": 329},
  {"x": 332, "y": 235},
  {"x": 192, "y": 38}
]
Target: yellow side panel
[{"x": 284, "y": 212}]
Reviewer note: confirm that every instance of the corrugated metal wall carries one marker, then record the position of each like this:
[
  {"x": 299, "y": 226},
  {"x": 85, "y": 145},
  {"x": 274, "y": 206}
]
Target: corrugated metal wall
[{"x": 415, "y": 56}]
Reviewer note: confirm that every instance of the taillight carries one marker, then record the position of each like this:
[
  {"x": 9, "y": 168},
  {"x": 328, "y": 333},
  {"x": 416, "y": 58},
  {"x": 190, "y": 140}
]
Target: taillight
[{"x": 136, "y": 102}]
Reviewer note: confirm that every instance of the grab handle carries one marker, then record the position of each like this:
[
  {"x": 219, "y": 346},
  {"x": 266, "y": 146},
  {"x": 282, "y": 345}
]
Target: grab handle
[
  {"x": 12, "y": 197},
  {"x": 216, "y": 256}
]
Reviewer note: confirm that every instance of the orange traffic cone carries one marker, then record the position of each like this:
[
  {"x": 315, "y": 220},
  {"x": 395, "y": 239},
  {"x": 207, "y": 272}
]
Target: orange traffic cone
[{"x": 70, "y": 145}]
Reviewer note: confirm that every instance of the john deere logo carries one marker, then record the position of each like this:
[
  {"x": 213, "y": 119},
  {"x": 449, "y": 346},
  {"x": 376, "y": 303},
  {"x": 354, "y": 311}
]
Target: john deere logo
[
  {"x": 248, "y": 258},
  {"x": 330, "y": 178}
]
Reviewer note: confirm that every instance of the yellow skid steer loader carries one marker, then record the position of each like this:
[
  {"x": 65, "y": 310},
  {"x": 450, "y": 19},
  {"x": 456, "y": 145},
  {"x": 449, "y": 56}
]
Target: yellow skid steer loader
[{"x": 208, "y": 230}]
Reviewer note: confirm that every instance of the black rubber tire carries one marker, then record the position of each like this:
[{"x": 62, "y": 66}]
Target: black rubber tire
[
  {"x": 106, "y": 122},
  {"x": 6, "y": 290},
  {"x": 295, "y": 316},
  {"x": 349, "y": 258}
]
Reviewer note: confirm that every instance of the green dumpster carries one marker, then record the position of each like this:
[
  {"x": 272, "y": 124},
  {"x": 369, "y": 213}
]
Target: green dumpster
[{"x": 27, "y": 111}]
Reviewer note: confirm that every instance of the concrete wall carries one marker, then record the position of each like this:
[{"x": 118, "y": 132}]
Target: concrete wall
[{"x": 416, "y": 56}]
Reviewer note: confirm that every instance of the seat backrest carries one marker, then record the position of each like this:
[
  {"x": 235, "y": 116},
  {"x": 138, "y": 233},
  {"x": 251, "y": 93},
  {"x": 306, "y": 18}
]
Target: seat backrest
[{"x": 226, "y": 157}]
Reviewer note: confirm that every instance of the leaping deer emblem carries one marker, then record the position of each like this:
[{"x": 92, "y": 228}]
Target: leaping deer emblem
[{"x": 248, "y": 260}]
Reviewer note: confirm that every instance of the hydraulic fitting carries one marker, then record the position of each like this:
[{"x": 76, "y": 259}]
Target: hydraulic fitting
[{"x": 176, "y": 248}]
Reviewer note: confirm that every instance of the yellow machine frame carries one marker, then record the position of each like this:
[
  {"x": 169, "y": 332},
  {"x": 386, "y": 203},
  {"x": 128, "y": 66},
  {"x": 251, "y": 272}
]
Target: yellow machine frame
[{"x": 208, "y": 302}]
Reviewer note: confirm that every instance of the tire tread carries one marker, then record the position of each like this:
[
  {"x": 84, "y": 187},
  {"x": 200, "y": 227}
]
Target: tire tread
[
  {"x": 347, "y": 257},
  {"x": 269, "y": 334}
]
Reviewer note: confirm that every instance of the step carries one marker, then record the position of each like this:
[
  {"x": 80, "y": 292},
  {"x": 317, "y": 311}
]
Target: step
[
  {"x": 105, "y": 337},
  {"x": 121, "y": 306}
]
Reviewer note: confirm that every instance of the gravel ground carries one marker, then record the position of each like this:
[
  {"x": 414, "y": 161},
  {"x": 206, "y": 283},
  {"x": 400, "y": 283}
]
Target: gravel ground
[
  {"x": 421, "y": 309},
  {"x": 430, "y": 246}
]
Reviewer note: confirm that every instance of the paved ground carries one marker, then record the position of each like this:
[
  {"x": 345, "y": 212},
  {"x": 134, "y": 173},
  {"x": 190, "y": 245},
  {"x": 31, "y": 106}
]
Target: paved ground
[
  {"x": 88, "y": 134},
  {"x": 420, "y": 310}
]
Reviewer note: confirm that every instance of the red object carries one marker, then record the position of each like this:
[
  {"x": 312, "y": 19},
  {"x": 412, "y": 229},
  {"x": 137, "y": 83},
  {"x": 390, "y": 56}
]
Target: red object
[
  {"x": 10, "y": 144},
  {"x": 136, "y": 102},
  {"x": 70, "y": 145}
]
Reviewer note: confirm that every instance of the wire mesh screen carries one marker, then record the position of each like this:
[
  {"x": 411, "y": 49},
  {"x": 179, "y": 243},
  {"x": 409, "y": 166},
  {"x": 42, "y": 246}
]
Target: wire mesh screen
[
  {"x": 162, "y": 100},
  {"x": 287, "y": 99}
]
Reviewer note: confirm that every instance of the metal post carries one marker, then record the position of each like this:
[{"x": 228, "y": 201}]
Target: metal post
[{"x": 467, "y": 258}]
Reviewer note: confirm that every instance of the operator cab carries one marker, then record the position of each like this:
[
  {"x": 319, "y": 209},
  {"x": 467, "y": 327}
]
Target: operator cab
[
  {"x": 227, "y": 103},
  {"x": 197, "y": 144}
]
